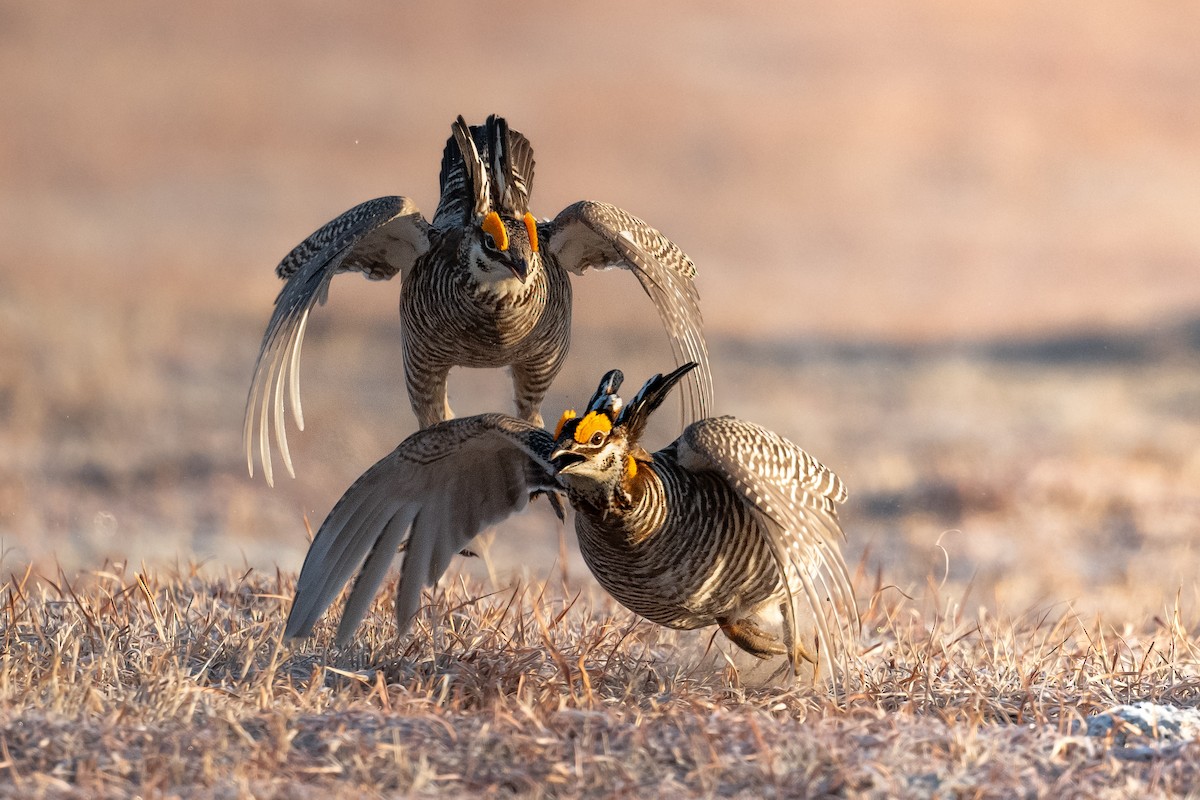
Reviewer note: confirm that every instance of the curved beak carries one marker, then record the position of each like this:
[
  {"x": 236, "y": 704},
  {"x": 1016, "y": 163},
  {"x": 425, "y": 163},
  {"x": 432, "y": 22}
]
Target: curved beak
[
  {"x": 519, "y": 266},
  {"x": 563, "y": 460}
]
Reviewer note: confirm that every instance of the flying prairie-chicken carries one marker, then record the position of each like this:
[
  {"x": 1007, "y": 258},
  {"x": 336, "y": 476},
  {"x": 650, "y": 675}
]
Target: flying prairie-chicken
[
  {"x": 730, "y": 524},
  {"x": 484, "y": 285}
]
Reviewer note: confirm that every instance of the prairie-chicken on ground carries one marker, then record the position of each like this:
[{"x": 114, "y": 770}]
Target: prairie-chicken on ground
[
  {"x": 725, "y": 525},
  {"x": 484, "y": 285}
]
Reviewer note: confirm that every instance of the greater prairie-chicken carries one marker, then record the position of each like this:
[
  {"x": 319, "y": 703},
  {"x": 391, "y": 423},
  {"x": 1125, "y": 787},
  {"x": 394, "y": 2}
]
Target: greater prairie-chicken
[
  {"x": 484, "y": 285},
  {"x": 728, "y": 525}
]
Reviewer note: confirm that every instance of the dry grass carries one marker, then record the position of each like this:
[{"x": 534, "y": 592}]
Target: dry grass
[{"x": 175, "y": 683}]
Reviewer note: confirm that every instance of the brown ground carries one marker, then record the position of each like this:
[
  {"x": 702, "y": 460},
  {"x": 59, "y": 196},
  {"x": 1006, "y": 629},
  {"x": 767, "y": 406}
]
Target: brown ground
[{"x": 951, "y": 252}]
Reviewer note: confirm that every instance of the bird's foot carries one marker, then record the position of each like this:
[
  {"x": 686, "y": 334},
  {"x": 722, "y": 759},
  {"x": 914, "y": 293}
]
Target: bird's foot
[{"x": 751, "y": 638}]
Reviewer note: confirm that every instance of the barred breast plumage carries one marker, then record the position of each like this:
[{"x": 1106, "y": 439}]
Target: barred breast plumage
[
  {"x": 529, "y": 331},
  {"x": 685, "y": 554}
]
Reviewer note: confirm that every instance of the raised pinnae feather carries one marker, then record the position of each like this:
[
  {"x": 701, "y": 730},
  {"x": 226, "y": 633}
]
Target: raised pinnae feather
[
  {"x": 498, "y": 171},
  {"x": 605, "y": 397},
  {"x": 476, "y": 168},
  {"x": 636, "y": 413},
  {"x": 497, "y": 143},
  {"x": 512, "y": 167}
]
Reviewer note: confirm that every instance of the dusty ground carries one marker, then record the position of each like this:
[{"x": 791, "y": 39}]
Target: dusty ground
[
  {"x": 952, "y": 253},
  {"x": 168, "y": 683}
]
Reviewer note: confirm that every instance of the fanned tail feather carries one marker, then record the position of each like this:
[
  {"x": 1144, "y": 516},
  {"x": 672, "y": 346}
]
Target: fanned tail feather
[{"x": 485, "y": 168}]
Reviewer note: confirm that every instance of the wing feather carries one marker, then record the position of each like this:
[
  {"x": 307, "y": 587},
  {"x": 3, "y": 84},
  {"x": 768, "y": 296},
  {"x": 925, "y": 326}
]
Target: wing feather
[
  {"x": 796, "y": 497},
  {"x": 589, "y": 235},
  {"x": 443, "y": 485},
  {"x": 379, "y": 238},
  {"x": 373, "y": 572}
]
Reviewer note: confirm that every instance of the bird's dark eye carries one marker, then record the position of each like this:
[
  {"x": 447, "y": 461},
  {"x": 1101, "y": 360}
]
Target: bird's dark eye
[
  {"x": 597, "y": 438},
  {"x": 489, "y": 243}
]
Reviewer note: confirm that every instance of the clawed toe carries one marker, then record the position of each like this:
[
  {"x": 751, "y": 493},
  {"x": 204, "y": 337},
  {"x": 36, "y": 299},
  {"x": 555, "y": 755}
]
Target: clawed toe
[{"x": 753, "y": 639}]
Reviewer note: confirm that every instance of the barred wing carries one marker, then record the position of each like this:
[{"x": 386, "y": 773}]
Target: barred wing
[
  {"x": 446, "y": 483},
  {"x": 379, "y": 238},
  {"x": 596, "y": 235},
  {"x": 796, "y": 497}
]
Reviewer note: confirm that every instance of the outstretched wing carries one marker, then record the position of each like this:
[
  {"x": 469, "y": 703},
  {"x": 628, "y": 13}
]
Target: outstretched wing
[
  {"x": 796, "y": 497},
  {"x": 586, "y": 235},
  {"x": 447, "y": 483},
  {"x": 379, "y": 238}
]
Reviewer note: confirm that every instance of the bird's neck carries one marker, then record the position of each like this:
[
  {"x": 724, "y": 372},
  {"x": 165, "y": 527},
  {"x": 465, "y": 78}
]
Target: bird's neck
[
  {"x": 502, "y": 290},
  {"x": 627, "y": 510}
]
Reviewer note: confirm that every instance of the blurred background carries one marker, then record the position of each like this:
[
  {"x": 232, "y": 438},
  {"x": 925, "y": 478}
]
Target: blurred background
[{"x": 952, "y": 250}]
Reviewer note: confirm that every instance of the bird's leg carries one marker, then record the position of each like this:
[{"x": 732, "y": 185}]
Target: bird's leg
[
  {"x": 428, "y": 392},
  {"x": 793, "y": 647},
  {"x": 531, "y": 381}
]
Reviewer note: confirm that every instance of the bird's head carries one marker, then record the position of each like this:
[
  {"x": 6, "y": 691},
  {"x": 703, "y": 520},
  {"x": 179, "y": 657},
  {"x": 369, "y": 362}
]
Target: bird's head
[
  {"x": 501, "y": 244},
  {"x": 597, "y": 454},
  {"x": 503, "y": 248}
]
